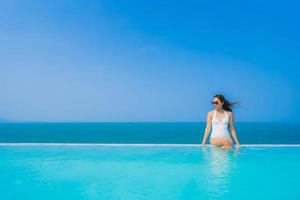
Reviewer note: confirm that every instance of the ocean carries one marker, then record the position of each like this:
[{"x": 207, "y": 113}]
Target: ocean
[{"x": 143, "y": 132}]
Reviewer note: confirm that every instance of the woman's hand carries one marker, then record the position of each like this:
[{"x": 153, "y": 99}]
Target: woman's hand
[{"x": 202, "y": 144}]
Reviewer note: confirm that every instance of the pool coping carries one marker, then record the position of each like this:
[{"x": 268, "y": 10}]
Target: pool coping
[{"x": 137, "y": 145}]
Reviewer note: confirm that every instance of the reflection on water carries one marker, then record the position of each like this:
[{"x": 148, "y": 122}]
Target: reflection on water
[
  {"x": 117, "y": 173},
  {"x": 219, "y": 167}
]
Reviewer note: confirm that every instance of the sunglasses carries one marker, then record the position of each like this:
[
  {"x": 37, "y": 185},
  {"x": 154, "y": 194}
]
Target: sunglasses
[{"x": 215, "y": 102}]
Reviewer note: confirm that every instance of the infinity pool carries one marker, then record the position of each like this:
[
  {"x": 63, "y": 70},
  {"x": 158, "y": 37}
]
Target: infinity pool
[{"x": 148, "y": 172}]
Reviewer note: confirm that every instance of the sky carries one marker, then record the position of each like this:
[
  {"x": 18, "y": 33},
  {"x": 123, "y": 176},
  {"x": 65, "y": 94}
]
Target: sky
[{"x": 138, "y": 60}]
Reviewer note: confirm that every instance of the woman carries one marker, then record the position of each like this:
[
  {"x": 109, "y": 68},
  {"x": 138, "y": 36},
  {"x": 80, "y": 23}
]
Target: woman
[{"x": 220, "y": 119}]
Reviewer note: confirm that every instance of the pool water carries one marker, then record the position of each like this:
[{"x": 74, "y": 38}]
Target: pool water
[{"x": 143, "y": 172}]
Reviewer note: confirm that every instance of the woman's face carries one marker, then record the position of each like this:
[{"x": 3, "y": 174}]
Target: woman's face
[{"x": 217, "y": 103}]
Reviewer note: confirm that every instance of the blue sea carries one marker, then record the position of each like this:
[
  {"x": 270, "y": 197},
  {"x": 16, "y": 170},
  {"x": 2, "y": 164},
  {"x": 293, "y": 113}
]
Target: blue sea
[
  {"x": 143, "y": 132},
  {"x": 162, "y": 172}
]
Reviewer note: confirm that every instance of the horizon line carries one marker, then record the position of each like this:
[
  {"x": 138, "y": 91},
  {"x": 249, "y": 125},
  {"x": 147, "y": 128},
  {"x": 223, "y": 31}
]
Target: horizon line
[{"x": 20, "y": 121}]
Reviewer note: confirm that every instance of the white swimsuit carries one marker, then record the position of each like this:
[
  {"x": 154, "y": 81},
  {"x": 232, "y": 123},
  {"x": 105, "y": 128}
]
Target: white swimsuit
[{"x": 219, "y": 128}]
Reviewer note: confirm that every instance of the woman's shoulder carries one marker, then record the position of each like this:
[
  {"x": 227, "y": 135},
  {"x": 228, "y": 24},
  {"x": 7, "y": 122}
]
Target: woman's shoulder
[
  {"x": 210, "y": 112},
  {"x": 229, "y": 113}
]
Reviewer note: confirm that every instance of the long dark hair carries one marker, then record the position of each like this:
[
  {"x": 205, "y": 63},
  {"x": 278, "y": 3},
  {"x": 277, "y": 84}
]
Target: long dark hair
[{"x": 227, "y": 104}]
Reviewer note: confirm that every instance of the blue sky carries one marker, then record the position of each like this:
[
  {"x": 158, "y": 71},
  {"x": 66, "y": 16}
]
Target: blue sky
[{"x": 153, "y": 60}]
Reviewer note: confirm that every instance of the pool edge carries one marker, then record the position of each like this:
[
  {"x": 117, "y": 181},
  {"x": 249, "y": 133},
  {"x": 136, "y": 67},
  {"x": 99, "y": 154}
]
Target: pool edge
[{"x": 136, "y": 145}]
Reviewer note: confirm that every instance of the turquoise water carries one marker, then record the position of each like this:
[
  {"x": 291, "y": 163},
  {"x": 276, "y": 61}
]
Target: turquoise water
[
  {"x": 167, "y": 173},
  {"x": 146, "y": 172},
  {"x": 156, "y": 132}
]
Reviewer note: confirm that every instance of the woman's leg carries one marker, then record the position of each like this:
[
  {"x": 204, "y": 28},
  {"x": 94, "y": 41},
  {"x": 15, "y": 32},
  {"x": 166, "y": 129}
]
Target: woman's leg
[
  {"x": 226, "y": 143},
  {"x": 215, "y": 141}
]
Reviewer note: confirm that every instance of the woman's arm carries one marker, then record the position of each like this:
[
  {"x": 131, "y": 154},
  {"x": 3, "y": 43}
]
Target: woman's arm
[
  {"x": 207, "y": 128},
  {"x": 231, "y": 127}
]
